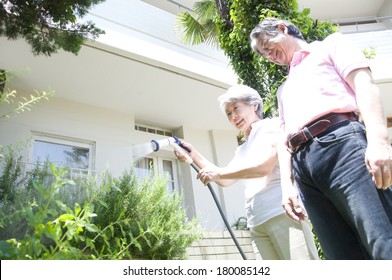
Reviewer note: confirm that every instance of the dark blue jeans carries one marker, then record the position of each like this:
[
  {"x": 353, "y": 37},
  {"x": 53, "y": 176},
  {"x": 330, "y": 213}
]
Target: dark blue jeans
[{"x": 351, "y": 217}]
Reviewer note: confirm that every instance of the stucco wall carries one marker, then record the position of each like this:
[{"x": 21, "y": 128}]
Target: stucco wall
[{"x": 114, "y": 135}]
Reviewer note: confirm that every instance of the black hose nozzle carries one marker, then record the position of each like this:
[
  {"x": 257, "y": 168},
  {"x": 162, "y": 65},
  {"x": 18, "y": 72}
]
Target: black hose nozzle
[
  {"x": 154, "y": 145},
  {"x": 179, "y": 143}
]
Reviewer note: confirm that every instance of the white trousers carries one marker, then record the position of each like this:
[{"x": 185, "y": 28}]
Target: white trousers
[{"x": 281, "y": 238}]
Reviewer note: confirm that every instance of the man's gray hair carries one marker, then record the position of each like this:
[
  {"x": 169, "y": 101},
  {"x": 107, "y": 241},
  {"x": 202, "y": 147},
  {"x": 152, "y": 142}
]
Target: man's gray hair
[
  {"x": 270, "y": 27},
  {"x": 244, "y": 94}
]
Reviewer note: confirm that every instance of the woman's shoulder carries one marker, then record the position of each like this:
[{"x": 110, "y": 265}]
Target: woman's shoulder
[
  {"x": 273, "y": 123},
  {"x": 268, "y": 126}
]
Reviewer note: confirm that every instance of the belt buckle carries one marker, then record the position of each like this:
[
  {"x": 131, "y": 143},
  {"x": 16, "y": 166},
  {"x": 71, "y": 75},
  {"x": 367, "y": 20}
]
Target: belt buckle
[
  {"x": 292, "y": 150},
  {"x": 304, "y": 138}
]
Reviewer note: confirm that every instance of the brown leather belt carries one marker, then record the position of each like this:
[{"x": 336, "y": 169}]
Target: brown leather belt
[{"x": 315, "y": 128}]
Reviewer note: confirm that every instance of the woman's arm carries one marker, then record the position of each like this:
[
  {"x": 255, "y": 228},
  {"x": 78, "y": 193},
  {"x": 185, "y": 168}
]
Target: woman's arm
[{"x": 230, "y": 174}]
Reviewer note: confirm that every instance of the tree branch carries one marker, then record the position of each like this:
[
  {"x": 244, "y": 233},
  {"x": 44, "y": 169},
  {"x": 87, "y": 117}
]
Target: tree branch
[{"x": 224, "y": 13}]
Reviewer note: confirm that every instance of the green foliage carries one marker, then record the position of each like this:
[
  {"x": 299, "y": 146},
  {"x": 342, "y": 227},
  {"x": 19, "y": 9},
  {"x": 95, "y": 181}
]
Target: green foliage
[
  {"x": 25, "y": 104},
  {"x": 198, "y": 27},
  {"x": 145, "y": 213},
  {"x": 48, "y": 25},
  {"x": 370, "y": 52},
  {"x": 36, "y": 223},
  {"x": 318, "y": 246},
  {"x": 45, "y": 215},
  {"x": 3, "y": 79},
  {"x": 10, "y": 178},
  {"x": 241, "y": 224},
  {"x": 12, "y": 103}
]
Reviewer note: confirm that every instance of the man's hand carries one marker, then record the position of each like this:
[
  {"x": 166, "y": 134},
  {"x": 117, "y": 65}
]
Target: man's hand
[
  {"x": 378, "y": 157},
  {"x": 291, "y": 203},
  {"x": 379, "y": 164}
]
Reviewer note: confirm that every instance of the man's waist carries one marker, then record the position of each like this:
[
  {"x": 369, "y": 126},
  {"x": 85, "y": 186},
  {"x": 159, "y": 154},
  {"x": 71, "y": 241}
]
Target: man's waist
[{"x": 316, "y": 127}]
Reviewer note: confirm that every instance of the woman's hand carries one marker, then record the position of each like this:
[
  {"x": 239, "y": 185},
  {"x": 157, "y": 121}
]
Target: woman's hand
[
  {"x": 191, "y": 154},
  {"x": 208, "y": 175}
]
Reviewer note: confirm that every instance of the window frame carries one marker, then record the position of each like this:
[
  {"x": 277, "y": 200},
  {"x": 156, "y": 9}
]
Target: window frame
[
  {"x": 158, "y": 167},
  {"x": 66, "y": 141}
]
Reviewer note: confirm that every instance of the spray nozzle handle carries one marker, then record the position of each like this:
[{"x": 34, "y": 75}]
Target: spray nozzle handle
[
  {"x": 179, "y": 150},
  {"x": 179, "y": 143}
]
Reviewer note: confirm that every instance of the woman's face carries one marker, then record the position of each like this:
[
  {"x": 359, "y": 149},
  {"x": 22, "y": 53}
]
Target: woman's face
[{"x": 242, "y": 115}]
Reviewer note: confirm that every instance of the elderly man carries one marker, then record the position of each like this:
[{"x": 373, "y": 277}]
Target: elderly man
[{"x": 343, "y": 170}]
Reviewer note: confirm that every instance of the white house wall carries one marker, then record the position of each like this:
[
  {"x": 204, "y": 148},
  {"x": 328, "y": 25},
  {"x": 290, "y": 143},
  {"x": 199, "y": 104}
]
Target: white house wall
[
  {"x": 112, "y": 136},
  {"x": 224, "y": 144},
  {"x": 149, "y": 32}
]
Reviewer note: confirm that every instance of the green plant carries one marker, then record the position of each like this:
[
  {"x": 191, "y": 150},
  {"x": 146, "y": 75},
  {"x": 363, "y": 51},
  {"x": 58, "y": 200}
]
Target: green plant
[
  {"x": 318, "y": 246},
  {"x": 48, "y": 25},
  {"x": 38, "y": 225},
  {"x": 370, "y": 52},
  {"x": 10, "y": 176},
  {"x": 53, "y": 217},
  {"x": 241, "y": 224},
  {"x": 9, "y": 97},
  {"x": 147, "y": 215}
]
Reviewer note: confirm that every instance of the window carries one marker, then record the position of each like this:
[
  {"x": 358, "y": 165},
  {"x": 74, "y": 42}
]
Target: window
[
  {"x": 154, "y": 130},
  {"x": 78, "y": 155},
  {"x": 144, "y": 167},
  {"x": 166, "y": 167}
]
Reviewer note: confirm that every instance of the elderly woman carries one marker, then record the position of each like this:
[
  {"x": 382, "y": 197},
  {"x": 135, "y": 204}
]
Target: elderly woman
[{"x": 274, "y": 235}]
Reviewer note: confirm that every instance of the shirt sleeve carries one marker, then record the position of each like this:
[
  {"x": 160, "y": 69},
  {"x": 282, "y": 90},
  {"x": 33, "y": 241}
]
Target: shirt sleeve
[
  {"x": 346, "y": 56},
  {"x": 281, "y": 120}
]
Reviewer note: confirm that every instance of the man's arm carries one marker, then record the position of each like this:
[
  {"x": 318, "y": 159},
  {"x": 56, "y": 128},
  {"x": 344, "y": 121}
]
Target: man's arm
[
  {"x": 290, "y": 198},
  {"x": 379, "y": 152}
]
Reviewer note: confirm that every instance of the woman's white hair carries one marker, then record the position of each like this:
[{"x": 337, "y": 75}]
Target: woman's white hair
[{"x": 244, "y": 94}]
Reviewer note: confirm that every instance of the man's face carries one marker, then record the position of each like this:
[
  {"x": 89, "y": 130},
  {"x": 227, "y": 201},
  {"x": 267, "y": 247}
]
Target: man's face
[{"x": 275, "y": 49}]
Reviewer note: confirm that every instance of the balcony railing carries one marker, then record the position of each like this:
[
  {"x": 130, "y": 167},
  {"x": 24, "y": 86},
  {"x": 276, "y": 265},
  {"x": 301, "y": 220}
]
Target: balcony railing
[{"x": 367, "y": 24}]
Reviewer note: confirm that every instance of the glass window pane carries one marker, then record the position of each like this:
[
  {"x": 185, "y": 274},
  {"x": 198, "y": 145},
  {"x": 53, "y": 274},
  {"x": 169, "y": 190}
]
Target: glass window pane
[
  {"x": 61, "y": 155},
  {"x": 144, "y": 167},
  {"x": 147, "y": 166},
  {"x": 168, "y": 171}
]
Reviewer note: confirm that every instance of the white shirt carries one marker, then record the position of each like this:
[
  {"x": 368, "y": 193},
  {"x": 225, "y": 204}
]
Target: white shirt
[{"x": 263, "y": 198}]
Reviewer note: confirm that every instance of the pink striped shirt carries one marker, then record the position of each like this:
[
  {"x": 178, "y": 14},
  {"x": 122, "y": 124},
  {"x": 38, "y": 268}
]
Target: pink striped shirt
[{"x": 316, "y": 82}]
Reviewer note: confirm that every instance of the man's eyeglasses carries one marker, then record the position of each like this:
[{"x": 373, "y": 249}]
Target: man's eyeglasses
[{"x": 266, "y": 50}]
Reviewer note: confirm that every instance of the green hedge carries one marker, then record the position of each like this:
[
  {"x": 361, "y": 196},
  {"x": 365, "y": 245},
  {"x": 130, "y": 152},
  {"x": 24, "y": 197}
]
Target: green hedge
[{"x": 46, "y": 215}]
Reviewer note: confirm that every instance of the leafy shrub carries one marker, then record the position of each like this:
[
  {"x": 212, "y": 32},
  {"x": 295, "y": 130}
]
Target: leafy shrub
[
  {"x": 144, "y": 220},
  {"x": 45, "y": 215}
]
